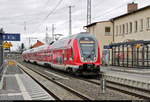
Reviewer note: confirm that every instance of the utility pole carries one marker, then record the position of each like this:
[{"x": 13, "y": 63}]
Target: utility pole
[
  {"x": 1, "y": 53},
  {"x": 70, "y": 25},
  {"x": 25, "y": 26},
  {"x": 53, "y": 28},
  {"x": 30, "y": 40},
  {"x": 46, "y": 37},
  {"x": 70, "y": 21},
  {"x": 88, "y": 12}
]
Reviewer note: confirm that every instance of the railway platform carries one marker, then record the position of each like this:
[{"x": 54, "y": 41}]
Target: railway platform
[
  {"x": 17, "y": 85},
  {"x": 130, "y": 70},
  {"x": 134, "y": 77}
]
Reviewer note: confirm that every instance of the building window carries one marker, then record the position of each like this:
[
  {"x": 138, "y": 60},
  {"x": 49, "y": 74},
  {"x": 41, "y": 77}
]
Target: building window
[
  {"x": 120, "y": 29},
  {"x": 107, "y": 30},
  {"x": 126, "y": 27},
  {"x": 123, "y": 29},
  {"x": 116, "y": 30},
  {"x": 130, "y": 27},
  {"x": 142, "y": 23},
  {"x": 148, "y": 22},
  {"x": 136, "y": 26}
]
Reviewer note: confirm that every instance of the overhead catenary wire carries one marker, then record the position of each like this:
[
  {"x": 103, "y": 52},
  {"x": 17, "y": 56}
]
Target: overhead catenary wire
[
  {"x": 57, "y": 5},
  {"x": 110, "y": 10}
]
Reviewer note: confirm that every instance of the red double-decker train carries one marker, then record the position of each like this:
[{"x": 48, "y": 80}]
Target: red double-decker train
[{"x": 78, "y": 54}]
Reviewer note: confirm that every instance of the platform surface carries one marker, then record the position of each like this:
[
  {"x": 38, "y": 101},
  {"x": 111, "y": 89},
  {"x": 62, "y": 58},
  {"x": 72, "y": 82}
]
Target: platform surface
[
  {"x": 17, "y": 85},
  {"x": 131, "y": 70},
  {"x": 142, "y": 75}
]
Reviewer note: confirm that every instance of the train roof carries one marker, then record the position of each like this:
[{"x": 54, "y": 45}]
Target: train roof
[
  {"x": 62, "y": 42},
  {"x": 40, "y": 48}
]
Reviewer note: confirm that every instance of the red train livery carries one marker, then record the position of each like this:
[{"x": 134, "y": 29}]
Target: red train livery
[{"x": 79, "y": 54}]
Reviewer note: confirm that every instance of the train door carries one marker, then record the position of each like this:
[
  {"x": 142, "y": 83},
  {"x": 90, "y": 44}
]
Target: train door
[
  {"x": 63, "y": 54},
  {"x": 52, "y": 57}
]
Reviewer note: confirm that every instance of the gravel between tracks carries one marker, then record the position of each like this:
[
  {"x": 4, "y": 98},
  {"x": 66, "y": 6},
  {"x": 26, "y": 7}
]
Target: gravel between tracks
[
  {"x": 90, "y": 89},
  {"x": 95, "y": 91}
]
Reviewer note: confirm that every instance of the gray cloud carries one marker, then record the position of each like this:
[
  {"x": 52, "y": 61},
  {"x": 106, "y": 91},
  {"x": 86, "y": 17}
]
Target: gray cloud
[{"x": 15, "y": 12}]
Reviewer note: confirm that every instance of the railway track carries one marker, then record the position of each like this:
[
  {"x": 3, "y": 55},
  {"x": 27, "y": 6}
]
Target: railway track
[
  {"x": 129, "y": 90},
  {"x": 77, "y": 93}
]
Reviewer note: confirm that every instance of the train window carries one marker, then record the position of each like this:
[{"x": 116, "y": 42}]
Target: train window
[
  {"x": 87, "y": 46},
  {"x": 72, "y": 52},
  {"x": 44, "y": 53},
  {"x": 32, "y": 56},
  {"x": 52, "y": 58},
  {"x": 63, "y": 56},
  {"x": 57, "y": 60},
  {"x": 42, "y": 58},
  {"x": 60, "y": 61}
]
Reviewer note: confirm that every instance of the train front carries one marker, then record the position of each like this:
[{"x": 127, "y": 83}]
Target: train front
[{"x": 89, "y": 54}]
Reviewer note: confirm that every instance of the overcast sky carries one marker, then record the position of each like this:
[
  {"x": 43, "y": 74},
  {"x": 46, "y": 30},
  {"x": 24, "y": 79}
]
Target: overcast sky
[{"x": 35, "y": 15}]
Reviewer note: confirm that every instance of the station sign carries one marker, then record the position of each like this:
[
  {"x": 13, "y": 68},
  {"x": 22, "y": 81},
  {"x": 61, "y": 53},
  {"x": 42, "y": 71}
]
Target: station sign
[
  {"x": 10, "y": 37},
  {"x": 107, "y": 47}
]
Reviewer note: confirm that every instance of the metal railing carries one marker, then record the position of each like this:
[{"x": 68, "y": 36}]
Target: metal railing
[{"x": 131, "y": 54}]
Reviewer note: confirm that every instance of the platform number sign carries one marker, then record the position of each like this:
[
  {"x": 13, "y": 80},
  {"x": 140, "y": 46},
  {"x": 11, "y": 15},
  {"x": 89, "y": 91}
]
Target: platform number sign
[{"x": 10, "y": 37}]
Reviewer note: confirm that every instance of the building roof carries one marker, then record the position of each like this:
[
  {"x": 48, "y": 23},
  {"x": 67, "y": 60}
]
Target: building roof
[
  {"x": 37, "y": 44},
  {"x": 94, "y": 23},
  {"x": 126, "y": 14},
  {"x": 130, "y": 43}
]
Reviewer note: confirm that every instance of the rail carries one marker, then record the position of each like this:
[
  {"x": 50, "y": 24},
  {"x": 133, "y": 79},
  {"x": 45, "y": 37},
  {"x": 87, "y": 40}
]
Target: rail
[
  {"x": 114, "y": 83},
  {"x": 77, "y": 93},
  {"x": 127, "y": 89}
]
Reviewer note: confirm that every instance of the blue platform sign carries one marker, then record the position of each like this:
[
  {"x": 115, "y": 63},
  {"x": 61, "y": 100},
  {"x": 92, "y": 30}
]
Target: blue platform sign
[
  {"x": 11, "y": 37},
  {"x": 107, "y": 47}
]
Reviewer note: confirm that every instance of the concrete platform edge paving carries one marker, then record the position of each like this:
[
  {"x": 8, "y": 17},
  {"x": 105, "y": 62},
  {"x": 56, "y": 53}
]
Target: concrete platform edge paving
[
  {"x": 11, "y": 94},
  {"x": 124, "y": 69}
]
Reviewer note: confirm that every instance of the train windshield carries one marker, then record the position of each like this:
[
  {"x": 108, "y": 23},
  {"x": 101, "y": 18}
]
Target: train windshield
[{"x": 87, "y": 46}]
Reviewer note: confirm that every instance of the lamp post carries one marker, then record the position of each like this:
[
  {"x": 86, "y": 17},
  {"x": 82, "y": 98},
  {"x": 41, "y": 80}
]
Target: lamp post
[{"x": 1, "y": 52}]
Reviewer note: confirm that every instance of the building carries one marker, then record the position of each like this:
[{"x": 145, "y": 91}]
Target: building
[
  {"x": 103, "y": 31},
  {"x": 134, "y": 25},
  {"x": 37, "y": 44}
]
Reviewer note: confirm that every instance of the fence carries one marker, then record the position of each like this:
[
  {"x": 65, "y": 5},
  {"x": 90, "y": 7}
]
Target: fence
[{"x": 131, "y": 54}]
